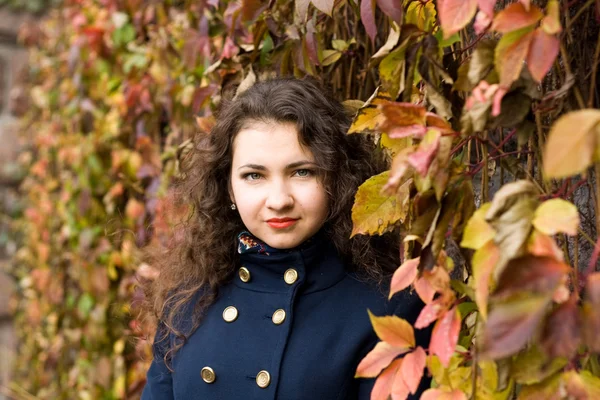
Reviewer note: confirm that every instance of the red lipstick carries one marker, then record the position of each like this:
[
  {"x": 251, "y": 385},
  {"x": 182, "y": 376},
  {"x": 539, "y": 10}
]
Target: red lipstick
[{"x": 281, "y": 223}]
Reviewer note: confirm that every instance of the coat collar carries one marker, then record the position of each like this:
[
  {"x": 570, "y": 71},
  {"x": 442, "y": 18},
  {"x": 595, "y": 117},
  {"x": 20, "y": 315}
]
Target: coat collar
[{"x": 316, "y": 262}]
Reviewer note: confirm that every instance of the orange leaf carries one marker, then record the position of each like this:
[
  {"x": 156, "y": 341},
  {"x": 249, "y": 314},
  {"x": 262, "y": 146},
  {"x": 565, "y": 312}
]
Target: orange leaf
[
  {"x": 542, "y": 53},
  {"x": 403, "y": 119},
  {"x": 404, "y": 276},
  {"x": 445, "y": 336},
  {"x": 399, "y": 389},
  {"x": 510, "y": 52},
  {"x": 424, "y": 290},
  {"x": 429, "y": 313},
  {"x": 412, "y": 368},
  {"x": 393, "y": 330},
  {"x": 455, "y": 15},
  {"x": 383, "y": 384},
  {"x": 515, "y": 17},
  {"x": 377, "y": 359},
  {"x": 439, "y": 394},
  {"x": 484, "y": 262}
]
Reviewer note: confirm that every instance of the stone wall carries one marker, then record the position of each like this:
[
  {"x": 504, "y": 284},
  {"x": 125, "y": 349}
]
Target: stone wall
[{"x": 13, "y": 61}]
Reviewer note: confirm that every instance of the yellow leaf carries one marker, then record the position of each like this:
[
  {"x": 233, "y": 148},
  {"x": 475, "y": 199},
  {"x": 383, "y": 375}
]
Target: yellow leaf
[
  {"x": 369, "y": 118},
  {"x": 477, "y": 232},
  {"x": 373, "y": 212},
  {"x": 556, "y": 215},
  {"x": 394, "y": 330},
  {"x": 571, "y": 143},
  {"x": 395, "y": 146}
]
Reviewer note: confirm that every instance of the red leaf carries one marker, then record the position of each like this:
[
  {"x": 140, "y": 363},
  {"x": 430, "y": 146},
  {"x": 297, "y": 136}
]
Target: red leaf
[
  {"x": 561, "y": 334},
  {"x": 380, "y": 357},
  {"x": 515, "y": 17},
  {"x": 532, "y": 274},
  {"x": 429, "y": 313},
  {"x": 404, "y": 276},
  {"x": 400, "y": 132},
  {"x": 543, "y": 50},
  {"x": 393, "y": 330},
  {"x": 392, "y": 8},
  {"x": 487, "y": 6},
  {"x": 367, "y": 16},
  {"x": 455, "y": 14},
  {"x": 423, "y": 157},
  {"x": 311, "y": 43},
  {"x": 402, "y": 115},
  {"x": 511, "y": 324},
  {"x": 383, "y": 384},
  {"x": 412, "y": 368},
  {"x": 445, "y": 336}
]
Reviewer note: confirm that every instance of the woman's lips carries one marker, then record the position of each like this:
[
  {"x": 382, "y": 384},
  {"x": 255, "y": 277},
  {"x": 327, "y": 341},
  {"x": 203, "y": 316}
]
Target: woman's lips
[{"x": 281, "y": 223}]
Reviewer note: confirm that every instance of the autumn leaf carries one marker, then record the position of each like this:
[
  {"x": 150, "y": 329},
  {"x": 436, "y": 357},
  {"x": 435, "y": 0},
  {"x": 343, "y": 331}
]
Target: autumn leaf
[
  {"x": 404, "y": 276},
  {"x": 384, "y": 383},
  {"x": 561, "y": 333},
  {"x": 394, "y": 331},
  {"x": 369, "y": 117},
  {"x": 404, "y": 119},
  {"x": 477, "y": 232},
  {"x": 487, "y": 6},
  {"x": 422, "y": 158},
  {"x": 367, "y": 17},
  {"x": 395, "y": 146},
  {"x": 439, "y": 394},
  {"x": 591, "y": 312},
  {"x": 511, "y": 324},
  {"x": 424, "y": 290},
  {"x": 515, "y": 17},
  {"x": 445, "y": 336},
  {"x": 532, "y": 366},
  {"x": 390, "y": 43},
  {"x": 510, "y": 53},
  {"x": 325, "y": 6},
  {"x": 551, "y": 22},
  {"x": 543, "y": 50},
  {"x": 412, "y": 368},
  {"x": 483, "y": 264},
  {"x": 374, "y": 212},
  {"x": 571, "y": 143},
  {"x": 581, "y": 385},
  {"x": 540, "y": 244},
  {"x": 556, "y": 215},
  {"x": 377, "y": 359},
  {"x": 399, "y": 171},
  {"x": 532, "y": 274},
  {"x": 430, "y": 313},
  {"x": 392, "y": 8},
  {"x": 455, "y": 15}
]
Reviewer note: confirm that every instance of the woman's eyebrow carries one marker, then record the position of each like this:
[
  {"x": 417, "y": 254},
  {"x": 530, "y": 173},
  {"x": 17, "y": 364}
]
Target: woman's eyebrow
[
  {"x": 254, "y": 166},
  {"x": 300, "y": 163}
]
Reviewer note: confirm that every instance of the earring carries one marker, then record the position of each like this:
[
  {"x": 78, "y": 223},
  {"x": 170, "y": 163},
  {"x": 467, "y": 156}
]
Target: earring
[{"x": 233, "y": 206}]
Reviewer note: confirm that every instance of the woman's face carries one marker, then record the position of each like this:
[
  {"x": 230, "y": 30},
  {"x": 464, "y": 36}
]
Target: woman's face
[{"x": 275, "y": 185}]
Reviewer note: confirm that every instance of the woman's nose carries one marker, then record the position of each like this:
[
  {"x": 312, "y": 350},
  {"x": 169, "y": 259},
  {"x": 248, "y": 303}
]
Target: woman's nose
[{"x": 279, "y": 197}]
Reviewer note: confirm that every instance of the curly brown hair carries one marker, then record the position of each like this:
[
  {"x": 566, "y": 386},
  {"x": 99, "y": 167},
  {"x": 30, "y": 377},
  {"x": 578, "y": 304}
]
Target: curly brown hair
[{"x": 204, "y": 256}]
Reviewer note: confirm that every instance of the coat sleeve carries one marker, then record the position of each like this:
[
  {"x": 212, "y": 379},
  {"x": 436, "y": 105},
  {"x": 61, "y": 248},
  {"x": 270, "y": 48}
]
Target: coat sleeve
[{"x": 159, "y": 382}]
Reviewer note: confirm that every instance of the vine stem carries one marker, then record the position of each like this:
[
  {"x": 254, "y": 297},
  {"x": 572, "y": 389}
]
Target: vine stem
[{"x": 590, "y": 103}]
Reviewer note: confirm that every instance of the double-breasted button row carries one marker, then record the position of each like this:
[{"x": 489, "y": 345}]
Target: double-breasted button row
[
  {"x": 263, "y": 378},
  {"x": 230, "y": 314},
  {"x": 290, "y": 276}
]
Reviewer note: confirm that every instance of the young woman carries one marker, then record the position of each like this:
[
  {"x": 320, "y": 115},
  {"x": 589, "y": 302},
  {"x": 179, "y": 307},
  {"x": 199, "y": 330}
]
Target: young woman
[{"x": 265, "y": 296}]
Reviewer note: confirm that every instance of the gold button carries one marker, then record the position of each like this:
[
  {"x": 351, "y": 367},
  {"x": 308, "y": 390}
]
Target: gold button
[
  {"x": 290, "y": 276},
  {"x": 263, "y": 379},
  {"x": 208, "y": 375},
  {"x": 230, "y": 314},
  {"x": 244, "y": 274},
  {"x": 278, "y": 317}
]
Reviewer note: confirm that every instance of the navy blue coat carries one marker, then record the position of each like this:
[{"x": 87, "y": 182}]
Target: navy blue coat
[{"x": 298, "y": 331}]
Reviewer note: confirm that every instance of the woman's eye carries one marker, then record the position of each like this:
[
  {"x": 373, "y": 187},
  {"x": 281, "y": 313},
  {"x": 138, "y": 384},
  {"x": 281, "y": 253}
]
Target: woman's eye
[
  {"x": 252, "y": 176},
  {"x": 304, "y": 173}
]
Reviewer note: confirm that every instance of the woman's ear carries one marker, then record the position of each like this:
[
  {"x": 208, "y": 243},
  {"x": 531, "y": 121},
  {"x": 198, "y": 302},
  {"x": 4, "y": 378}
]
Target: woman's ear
[{"x": 230, "y": 190}]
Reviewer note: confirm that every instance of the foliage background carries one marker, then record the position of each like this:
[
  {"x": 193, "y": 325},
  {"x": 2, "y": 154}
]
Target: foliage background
[{"x": 119, "y": 86}]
